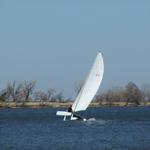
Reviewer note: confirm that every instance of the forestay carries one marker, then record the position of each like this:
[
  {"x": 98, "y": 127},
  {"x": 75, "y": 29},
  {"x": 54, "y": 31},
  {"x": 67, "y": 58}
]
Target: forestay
[{"x": 90, "y": 86}]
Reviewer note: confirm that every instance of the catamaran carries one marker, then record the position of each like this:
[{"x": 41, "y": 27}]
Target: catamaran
[{"x": 87, "y": 92}]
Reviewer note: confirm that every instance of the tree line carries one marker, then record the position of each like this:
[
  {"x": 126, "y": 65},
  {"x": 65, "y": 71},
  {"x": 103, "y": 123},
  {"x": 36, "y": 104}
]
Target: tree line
[
  {"x": 25, "y": 91},
  {"x": 131, "y": 93}
]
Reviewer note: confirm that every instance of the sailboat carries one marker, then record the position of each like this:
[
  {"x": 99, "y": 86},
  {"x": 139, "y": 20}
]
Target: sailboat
[{"x": 87, "y": 92}]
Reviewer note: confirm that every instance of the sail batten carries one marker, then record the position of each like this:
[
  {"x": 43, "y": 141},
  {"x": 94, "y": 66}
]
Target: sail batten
[{"x": 90, "y": 86}]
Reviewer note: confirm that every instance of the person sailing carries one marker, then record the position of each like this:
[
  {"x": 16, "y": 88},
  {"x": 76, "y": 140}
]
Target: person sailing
[{"x": 74, "y": 115}]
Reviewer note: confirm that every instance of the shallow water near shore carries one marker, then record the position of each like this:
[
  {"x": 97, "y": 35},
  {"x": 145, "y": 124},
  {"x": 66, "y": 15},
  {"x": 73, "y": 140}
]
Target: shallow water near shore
[{"x": 114, "y": 128}]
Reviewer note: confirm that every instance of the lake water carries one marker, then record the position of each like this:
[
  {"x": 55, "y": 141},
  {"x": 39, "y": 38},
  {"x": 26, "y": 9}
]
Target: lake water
[{"x": 115, "y": 128}]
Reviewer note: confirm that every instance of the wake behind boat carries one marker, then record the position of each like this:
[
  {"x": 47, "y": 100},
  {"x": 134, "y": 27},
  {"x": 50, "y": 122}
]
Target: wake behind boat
[{"x": 87, "y": 92}]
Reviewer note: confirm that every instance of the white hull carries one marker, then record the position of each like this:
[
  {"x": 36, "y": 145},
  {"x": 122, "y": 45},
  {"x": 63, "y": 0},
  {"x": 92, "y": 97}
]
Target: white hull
[{"x": 66, "y": 114}]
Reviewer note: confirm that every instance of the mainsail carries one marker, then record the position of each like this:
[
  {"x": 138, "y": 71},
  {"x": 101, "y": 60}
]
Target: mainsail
[{"x": 90, "y": 86}]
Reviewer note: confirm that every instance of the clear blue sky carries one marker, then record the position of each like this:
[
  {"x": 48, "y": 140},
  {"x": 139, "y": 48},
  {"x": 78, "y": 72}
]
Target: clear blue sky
[{"x": 55, "y": 42}]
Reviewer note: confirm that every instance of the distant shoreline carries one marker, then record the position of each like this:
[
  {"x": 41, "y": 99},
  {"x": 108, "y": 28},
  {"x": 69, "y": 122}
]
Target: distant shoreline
[{"x": 62, "y": 104}]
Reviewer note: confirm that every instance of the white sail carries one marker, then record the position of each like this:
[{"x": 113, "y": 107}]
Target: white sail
[{"x": 90, "y": 86}]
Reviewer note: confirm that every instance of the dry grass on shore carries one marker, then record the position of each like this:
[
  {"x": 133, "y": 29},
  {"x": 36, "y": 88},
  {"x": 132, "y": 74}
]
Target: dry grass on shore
[{"x": 60, "y": 104}]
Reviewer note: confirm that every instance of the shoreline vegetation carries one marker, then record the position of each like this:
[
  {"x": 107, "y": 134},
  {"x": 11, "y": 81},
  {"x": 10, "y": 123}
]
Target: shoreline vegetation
[
  {"x": 64, "y": 104},
  {"x": 24, "y": 95}
]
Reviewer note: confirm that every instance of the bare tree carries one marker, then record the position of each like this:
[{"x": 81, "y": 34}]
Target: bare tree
[
  {"x": 118, "y": 94},
  {"x": 27, "y": 89},
  {"x": 13, "y": 91},
  {"x": 40, "y": 96},
  {"x": 145, "y": 88},
  {"x": 45, "y": 96},
  {"x": 20, "y": 91},
  {"x": 133, "y": 93},
  {"x": 100, "y": 98},
  {"x": 59, "y": 97},
  {"x": 51, "y": 94},
  {"x": 115, "y": 94},
  {"x": 3, "y": 95},
  {"x": 107, "y": 96}
]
